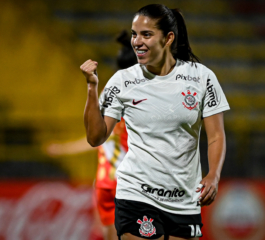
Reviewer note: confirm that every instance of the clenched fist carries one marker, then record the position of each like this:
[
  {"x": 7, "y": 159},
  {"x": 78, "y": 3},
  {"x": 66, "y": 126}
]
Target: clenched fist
[{"x": 89, "y": 69}]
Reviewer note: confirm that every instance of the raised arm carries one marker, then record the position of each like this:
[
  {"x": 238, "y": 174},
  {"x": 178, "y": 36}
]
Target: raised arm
[
  {"x": 98, "y": 128},
  {"x": 214, "y": 127}
]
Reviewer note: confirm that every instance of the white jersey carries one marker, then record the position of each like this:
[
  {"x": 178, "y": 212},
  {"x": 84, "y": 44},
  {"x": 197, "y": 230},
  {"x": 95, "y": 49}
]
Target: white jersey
[{"x": 163, "y": 116}]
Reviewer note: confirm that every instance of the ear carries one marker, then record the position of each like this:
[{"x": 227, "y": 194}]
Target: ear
[{"x": 170, "y": 38}]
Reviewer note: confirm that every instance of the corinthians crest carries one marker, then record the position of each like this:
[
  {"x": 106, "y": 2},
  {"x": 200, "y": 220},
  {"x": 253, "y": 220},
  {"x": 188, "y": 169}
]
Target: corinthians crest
[
  {"x": 146, "y": 229},
  {"x": 190, "y": 101}
]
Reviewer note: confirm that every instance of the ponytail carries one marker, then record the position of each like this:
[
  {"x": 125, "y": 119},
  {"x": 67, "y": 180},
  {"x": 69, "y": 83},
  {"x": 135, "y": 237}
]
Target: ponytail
[{"x": 182, "y": 49}]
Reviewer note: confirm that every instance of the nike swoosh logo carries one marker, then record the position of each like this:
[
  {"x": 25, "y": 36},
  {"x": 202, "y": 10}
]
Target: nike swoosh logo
[{"x": 136, "y": 102}]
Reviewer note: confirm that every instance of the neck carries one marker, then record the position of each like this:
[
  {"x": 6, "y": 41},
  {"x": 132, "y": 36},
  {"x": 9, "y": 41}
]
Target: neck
[{"x": 163, "y": 68}]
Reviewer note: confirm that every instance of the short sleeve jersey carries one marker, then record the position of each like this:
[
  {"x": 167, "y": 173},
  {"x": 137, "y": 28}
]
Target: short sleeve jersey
[
  {"x": 163, "y": 116},
  {"x": 110, "y": 155}
]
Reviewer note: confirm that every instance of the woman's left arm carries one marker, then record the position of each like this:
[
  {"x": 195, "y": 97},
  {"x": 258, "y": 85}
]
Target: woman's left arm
[{"x": 214, "y": 126}]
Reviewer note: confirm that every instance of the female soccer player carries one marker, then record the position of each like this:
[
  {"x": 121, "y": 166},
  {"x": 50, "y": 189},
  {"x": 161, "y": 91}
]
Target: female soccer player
[{"x": 164, "y": 99}]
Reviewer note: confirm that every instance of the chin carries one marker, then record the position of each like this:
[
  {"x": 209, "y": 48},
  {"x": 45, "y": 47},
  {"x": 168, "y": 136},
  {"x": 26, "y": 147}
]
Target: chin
[{"x": 142, "y": 61}]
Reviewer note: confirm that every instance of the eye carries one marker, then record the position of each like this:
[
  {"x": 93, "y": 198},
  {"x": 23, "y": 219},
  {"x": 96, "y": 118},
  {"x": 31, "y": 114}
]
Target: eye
[
  {"x": 133, "y": 35},
  {"x": 147, "y": 35}
]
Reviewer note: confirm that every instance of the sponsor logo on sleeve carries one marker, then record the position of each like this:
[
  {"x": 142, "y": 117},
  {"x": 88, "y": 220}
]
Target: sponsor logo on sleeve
[
  {"x": 188, "y": 78},
  {"x": 147, "y": 228},
  {"x": 110, "y": 94},
  {"x": 189, "y": 100},
  {"x": 135, "y": 81},
  {"x": 211, "y": 91}
]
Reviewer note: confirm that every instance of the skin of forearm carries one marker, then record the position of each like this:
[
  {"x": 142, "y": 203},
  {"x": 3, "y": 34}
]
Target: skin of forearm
[
  {"x": 95, "y": 125},
  {"x": 216, "y": 155}
]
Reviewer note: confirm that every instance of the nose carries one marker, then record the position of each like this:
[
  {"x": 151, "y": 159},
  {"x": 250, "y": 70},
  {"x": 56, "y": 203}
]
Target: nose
[{"x": 137, "y": 41}]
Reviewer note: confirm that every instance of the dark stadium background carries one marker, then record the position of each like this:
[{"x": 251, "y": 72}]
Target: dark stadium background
[{"x": 42, "y": 97}]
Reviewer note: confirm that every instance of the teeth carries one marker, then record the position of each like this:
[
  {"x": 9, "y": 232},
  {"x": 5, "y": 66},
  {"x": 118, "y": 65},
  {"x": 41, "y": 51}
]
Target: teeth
[{"x": 141, "y": 51}]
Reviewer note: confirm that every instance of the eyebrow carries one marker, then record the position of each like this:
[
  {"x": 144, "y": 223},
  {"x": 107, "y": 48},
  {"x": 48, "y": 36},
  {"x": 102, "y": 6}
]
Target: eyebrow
[{"x": 143, "y": 32}]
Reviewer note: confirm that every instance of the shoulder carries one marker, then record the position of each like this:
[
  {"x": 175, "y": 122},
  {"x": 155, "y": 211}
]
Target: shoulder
[
  {"x": 131, "y": 70},
  {"x": 127, "y": 72},
  {"x": 123, "y": 77},
  {"x": 199, "y": 69},
  {"x": 129, "y": 75},
  {"x": 195, "y": 66},
  {"x": 204, "y": 70}
]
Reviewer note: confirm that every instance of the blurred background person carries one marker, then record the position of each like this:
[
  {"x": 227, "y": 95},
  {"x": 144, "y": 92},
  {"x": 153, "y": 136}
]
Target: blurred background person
[{"x": 110, "y": 154}]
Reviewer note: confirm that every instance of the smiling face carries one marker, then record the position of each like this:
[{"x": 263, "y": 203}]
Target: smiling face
[{"x": 148, "y": 41}]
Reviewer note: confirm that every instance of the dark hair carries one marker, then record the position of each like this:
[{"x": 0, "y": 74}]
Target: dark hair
[
  {"x": 126, "y": 56},
  {"x": 171, "y": 20}
]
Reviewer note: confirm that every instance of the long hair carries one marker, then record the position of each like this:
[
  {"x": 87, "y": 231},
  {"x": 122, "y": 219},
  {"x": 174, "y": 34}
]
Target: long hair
[{"x": 171, "y": 20}]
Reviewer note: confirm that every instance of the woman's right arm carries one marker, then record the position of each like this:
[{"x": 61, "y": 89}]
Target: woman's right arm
[{"x": 98, "y": 128}]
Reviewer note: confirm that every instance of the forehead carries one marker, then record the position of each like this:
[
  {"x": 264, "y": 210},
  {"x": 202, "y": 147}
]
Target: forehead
[{"x": 143, "y": 23}]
